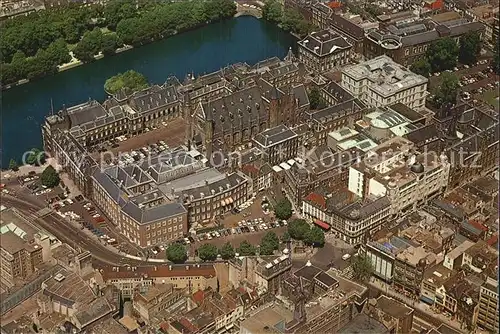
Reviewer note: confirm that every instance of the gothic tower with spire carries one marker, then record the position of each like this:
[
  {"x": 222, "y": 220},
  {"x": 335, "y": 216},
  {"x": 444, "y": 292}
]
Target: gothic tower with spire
[{"x": 187, "y": 111}]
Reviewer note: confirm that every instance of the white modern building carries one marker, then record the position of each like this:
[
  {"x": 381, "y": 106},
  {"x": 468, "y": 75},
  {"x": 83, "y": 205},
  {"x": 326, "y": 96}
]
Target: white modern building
[
  {"x": 404, "y": 176},
  {"x": 381, "y": 81}
]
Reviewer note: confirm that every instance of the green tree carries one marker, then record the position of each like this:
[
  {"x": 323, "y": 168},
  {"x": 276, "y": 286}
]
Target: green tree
[
  {"x": 442, "y": 54},
  {"x": 49, "y": 177},
  {"x": 246, "y": 249},
  {"x": 58, "y": 53},
  {"x": 470, "y": 48},
  {"x": 35, "y": 157},
  {"x": 269, "y": 243},
  {"x": 117, "y": 10},
  {"x": 19, "y": 65},
  {"x": 265, "y": 248},
  {"x": 315, "y": 98},
  {"x": 298, "y": 229},
  {"x": 89, "y": 46},
  {"x": 283, "y": 209},
  {"x": 227, "y": 251},
  {"x": 176, "y": 253},
  {"x": 446, "y": 92},
  {"x": 110, "y": 42},
  {"x": 362, "y": 267},
  {"x": 207, "y": 252},
  {"x": 315, "y": 237},
  {"x": 291, "y": 19},
  {"x": 421, "y": 67},
  {"x": 272, "y": 11},
  {"x": 131, "y": 81},
  {"x": 285, "y": 237},
  {"x": 13, "y": 165}
]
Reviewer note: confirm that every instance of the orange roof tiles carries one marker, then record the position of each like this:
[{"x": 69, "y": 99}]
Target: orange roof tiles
[{"x": 316, "y": 198}]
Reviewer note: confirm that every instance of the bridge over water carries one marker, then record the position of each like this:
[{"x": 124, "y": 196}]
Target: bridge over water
[{"x": 244, "y": 9}]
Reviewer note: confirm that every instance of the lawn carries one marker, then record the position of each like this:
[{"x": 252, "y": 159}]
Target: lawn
[{"x": 491, "y": 97}]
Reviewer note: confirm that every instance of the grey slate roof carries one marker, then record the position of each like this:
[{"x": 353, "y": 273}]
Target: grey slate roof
[
  {"x": 86, "y": 112},
  {"x": 153, "y": 97},
  {"x": 275, "y": 136},
  {"x": 215, "y": 188},
  {"x": 238, "y": 110},
  {"x": 324, "y": 42}
]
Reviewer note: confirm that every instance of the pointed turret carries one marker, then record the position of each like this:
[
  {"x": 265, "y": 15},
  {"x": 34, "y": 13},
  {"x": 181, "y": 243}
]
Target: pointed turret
[{"x": 290, "y": 56}]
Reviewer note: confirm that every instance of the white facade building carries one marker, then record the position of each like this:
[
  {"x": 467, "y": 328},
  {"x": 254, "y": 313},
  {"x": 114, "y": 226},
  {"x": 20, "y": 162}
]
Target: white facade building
[
  {"x": 381, "y": 82},
  {"x": 406, "y": 178}
]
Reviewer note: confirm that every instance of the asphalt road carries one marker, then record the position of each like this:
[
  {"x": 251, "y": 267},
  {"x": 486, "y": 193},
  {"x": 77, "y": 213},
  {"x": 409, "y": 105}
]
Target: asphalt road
[{"x": 70, "y": 234}]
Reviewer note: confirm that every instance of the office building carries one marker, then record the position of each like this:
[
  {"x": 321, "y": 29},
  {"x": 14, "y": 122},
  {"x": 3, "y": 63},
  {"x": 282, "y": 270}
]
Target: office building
[{"x": 381, "y": 81}]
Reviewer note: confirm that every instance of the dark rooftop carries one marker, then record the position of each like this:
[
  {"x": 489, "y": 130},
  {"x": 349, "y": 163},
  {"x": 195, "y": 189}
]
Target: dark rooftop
[
  {"x": 392, "y": 307},
  {"x": 363, "y": 324},
  {"x": 308, "y": 272}
]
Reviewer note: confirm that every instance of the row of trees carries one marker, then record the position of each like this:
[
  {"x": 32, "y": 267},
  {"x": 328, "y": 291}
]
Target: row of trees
[
  {"x": 44, "y": 62},
  {"x": 38, "y": 30},
  {"x": 28, "y": 43},
  {"x": 289, "y": 19},
  {"x": 298, "y": 229},
  {"x": 444, "y": 53},
  {"x": 94, "y": 42},
  {"x": 168, "y": 18}
]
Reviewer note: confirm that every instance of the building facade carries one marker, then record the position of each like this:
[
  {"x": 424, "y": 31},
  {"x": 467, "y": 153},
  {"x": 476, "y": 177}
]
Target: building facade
[{"x": 324, "y": 50}]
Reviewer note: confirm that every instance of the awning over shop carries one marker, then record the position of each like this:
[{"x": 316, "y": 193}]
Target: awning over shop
[
  {"x": 426, "y": 300},
  {"x": 223, "y": 203},
  {"x": 230, "y": 199},
  {"x": 322, "y": 224}
]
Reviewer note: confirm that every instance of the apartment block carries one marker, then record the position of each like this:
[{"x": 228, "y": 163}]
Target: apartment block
[
  {"x": 18, "y": 258},
  {"x": 392, "y": 170},
  {"x": 488, "y": 305}
]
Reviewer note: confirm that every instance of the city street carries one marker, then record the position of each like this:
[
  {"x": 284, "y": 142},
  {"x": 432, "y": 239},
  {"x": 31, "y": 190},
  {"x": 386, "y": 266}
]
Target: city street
[{"x": 70, "y": 234}]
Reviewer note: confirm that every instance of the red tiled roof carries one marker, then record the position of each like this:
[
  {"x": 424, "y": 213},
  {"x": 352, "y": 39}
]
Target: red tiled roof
[
  {"x": 493, "y": 240},
  {"x": 198, "y": 296},
  {"x": 164, "y": 327},
  {"x": 188, "y": 324},
  {"x": 250, "y": 169},
  {"x": 158, "y": 271},
  {"x": 334, "y": 4},
  {"x": 478, "y": 225},
  {"x": 316, "y": 198}
]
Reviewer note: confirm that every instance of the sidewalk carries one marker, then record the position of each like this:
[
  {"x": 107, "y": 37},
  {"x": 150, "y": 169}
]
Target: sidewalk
[
  {"x": 388, "y": 290},
  {"x": 26, "y": 169}
]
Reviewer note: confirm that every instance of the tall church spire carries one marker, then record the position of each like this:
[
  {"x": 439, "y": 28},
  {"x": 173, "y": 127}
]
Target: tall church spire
[{"x": 290, "y": 56}]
